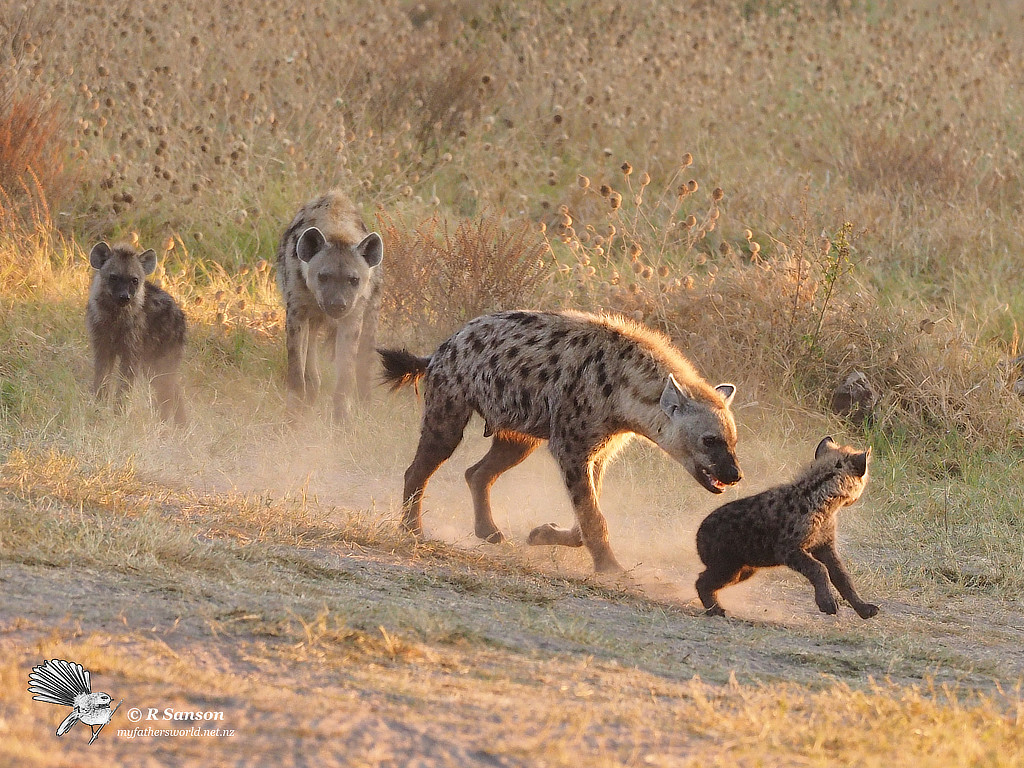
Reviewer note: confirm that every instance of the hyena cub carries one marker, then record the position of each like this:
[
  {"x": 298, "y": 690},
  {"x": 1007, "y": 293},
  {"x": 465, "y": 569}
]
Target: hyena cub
[
  {"x": 329, "y": 273},
  {"x": 793, "y": 525},
  {"x": 586, "y": 384},
  {"x": 133, "y": 321}
]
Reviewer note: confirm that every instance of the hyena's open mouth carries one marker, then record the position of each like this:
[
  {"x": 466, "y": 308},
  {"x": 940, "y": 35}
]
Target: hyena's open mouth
[{"x": 709, "y": 481}]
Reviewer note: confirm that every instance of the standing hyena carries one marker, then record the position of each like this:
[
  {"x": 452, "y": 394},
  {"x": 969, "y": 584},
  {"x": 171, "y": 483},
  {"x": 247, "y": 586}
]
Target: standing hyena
[
  {"x": 792, "y": 525},
  {"x": 329, "y": 273},
  {"x": 584, "y": 383},
  {"x": 133, "y": 320}
]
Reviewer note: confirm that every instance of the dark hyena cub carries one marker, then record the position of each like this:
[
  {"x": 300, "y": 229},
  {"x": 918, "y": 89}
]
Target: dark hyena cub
[
  {"x": 586, "y": 384},
  {"x": 133, "y": 321},
  {"x": 792, "y": 525},
  {"x": 329, "y": 273}
]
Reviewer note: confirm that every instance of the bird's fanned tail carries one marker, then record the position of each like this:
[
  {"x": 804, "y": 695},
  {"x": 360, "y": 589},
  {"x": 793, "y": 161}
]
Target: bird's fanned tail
[{"x": 58, "y": 682}]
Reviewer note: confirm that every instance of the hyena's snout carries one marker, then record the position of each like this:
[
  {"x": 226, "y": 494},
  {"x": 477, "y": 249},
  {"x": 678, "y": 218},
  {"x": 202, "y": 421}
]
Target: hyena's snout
[
  {"x": 729, "y": 472},
  {"x": 718, "y": 471}
]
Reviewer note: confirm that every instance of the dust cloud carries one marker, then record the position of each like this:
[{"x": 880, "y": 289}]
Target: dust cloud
[{"x": 652, "y": 505}]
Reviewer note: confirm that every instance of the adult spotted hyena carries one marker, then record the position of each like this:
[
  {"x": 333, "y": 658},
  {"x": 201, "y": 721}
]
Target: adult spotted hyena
[
  {"x": 131, "y": 320},
  {"x": 329, "y": 273},
  {"x": 792, "y": 525},
  {"x": 584, "y": 383}
]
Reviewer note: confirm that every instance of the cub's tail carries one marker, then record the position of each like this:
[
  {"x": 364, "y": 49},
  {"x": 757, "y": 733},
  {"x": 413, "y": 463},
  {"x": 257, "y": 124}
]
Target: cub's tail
[{"x": 401, "y": 367}]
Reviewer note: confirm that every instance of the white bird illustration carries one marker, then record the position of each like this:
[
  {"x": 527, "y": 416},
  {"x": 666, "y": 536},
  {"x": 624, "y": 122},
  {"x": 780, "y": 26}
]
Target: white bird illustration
[{"x": 64, "y": 682}]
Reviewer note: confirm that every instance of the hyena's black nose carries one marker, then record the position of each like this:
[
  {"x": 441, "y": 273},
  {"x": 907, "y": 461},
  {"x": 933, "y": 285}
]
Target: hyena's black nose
[
  {"x": 124, "y": 297},
  {"x": 730, "y": 474},
  {"x": 336, "y": 308}
]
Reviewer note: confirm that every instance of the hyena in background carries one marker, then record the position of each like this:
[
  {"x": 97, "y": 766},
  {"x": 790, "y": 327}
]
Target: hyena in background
[
  {"x": 329, "y": 273},
  {"x": 584, "y": 383},
  {"x": 131, "y": 320},
  {"x": 792, "y": 525}
]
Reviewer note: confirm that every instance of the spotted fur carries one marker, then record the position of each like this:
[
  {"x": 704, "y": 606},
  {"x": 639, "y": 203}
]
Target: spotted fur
[
  {"x": 329, "y": 273},
  {"x": 792, "y": 525},
  {"x": 135, "y": 324},
  {"x": 586, "y": 384}
]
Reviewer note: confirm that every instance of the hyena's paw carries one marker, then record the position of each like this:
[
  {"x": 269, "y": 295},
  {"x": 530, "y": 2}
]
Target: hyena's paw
[
  {"x": 493, "y": 536},
  {"x": 714, "y": 610},
  {"x": 551, "y": 534},
  {"x": 827, "y": 604},
  {"x": 866, "y": 610}
]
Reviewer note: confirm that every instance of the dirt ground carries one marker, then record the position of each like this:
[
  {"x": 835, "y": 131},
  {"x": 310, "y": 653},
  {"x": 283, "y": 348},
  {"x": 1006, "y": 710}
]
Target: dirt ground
[{"x": 381, "y": 652}]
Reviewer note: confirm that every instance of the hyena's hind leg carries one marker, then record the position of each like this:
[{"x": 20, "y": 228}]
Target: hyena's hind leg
[
  {"x": 507, "y": 450},
  {"x": 444, "y": 420},
  {"x": 716, "y": 577}
]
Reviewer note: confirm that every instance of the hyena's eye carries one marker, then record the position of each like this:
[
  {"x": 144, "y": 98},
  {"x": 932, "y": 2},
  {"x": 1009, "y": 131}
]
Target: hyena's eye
[
  {"x": 135, "y": 282},
  {"x": 709, "y": 441},
  {"x": 353, "y": 281}
]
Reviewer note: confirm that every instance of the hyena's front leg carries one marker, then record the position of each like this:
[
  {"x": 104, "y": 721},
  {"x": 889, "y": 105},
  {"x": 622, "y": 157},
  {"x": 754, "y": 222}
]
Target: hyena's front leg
[
  {"x": 312, "y": 367},
  {"x": 578, "y": 471},
  {"x": 366, "y": 358},
  {"x": 507, "y": 450},
  {"x": 801, "y": 562},
  {"x": 828, "y": 555},
  {"x": 297, "y": 340},
  {"x": 345, "y": 363},
  {"x": 554, "y": 535},
  {"x": 103, "y": 367},
  {"x": 129, "y": 369}
]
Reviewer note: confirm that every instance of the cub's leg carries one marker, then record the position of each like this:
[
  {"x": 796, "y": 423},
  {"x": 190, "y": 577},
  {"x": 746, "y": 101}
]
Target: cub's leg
[
  {"x": 816, "y": 573},
  {"x": 716, "y": 577},
  {"x": 829, "y": 556}
]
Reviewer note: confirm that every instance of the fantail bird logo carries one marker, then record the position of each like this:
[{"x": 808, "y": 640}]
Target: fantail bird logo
[{"x": 64, "y": 682}]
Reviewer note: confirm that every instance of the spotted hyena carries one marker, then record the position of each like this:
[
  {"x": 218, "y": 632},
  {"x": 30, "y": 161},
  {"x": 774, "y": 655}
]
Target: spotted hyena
[
  {"x": 586, "y": 384},
  {"x": 329, "y": 273},
  {"x": 792, "y": 525},
  {"x": 132, "y": 321}
]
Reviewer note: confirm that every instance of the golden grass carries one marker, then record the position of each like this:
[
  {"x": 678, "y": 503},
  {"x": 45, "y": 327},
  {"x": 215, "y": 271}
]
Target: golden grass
[{"x": 719, "y": 146}]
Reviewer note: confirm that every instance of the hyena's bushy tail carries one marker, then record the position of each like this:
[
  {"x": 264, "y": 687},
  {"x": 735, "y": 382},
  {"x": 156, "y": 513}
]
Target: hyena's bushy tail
[{"x": 402, "y": 367}]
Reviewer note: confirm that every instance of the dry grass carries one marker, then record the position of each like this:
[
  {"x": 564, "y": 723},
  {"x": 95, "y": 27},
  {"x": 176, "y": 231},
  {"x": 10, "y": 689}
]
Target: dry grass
[
  {"x": 438, "y": 279},
  {"x": 791, "y": 190}
]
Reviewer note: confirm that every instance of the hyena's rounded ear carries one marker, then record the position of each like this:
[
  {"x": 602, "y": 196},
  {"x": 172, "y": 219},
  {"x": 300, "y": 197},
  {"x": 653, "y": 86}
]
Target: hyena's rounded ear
[
  {"x": 728, "y": 391},
  {"x": 371, "y": 248},
  {"x": 148, "y": 261},
  {"x": 826, "y": 444},
  {"x": 99, "y": 254},
  {"x": 309, "y": 242},
  {"x": 672, "y": 396},
  {"x": 859, "y": 462}
]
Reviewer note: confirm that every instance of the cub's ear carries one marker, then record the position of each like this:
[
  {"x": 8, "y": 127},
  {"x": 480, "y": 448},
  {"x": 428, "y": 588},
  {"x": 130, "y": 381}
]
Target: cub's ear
[
  {"x": 672, "y": 397},
  {"x": 728, "y": 391},
  {"x": 371, "y": 248},
  {"x": 309, "y": 242},
  {"x": 148, "y": 261},
  {"x": 826, "y": 444},
  {"x": 99, "y": 254},
  {"x": 859, "y": 462}
]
